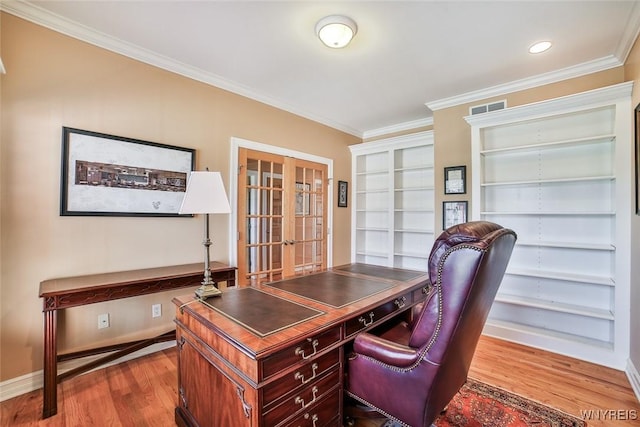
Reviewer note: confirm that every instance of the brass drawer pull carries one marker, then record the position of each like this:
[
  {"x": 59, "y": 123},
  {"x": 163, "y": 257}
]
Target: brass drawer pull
[
  {"x": 300, "y": 401},
  {"x": 300, "y": 352},
  {"x": 400, "y": 302},
  {"x": 314, "y": 418},
  {"x": 364, "y": 321},
  {"x": 299, "y": 376}
]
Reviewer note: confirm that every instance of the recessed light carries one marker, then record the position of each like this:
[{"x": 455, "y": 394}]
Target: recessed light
[{"x": 540, "y": 47}]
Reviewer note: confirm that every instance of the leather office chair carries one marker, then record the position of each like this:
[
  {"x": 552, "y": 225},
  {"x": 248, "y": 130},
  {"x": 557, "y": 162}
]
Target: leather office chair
[{"x": 409, "y": 372}]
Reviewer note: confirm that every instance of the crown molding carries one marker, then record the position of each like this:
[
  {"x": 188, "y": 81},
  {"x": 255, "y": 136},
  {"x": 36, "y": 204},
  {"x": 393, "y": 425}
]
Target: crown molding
[
  {"x": 630, "y": 35},
  {"x": 585, "y": 68},
  {"x": 395, "y": 142},
  {"x": 566, "y": 103},
  {"x": 40, "y": 16},
  {"x": 400, "y": 127},
  {"x": 30, "y": 12}
]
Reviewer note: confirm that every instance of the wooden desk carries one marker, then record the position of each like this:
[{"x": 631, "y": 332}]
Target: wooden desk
[
  {"x": 273, "y": 355},
  {"x": 59, "y": 294}
]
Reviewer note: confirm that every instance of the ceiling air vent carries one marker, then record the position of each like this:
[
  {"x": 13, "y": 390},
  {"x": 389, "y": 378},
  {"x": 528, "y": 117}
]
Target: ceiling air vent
[{"x": 484, "y": 108}]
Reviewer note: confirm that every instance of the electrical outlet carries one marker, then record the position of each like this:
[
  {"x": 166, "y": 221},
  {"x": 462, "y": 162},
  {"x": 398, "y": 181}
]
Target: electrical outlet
[
  {"x": 103, "y": 321},
  {"x": 156, "y": 310}
]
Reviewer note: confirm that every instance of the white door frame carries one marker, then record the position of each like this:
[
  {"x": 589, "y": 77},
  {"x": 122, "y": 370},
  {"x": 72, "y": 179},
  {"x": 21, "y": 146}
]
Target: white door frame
[{"x": 236, "y": 144}]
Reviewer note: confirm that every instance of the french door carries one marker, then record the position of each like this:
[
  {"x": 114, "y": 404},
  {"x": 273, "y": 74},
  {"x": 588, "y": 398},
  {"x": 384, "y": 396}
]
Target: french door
[{"x": 282, "y": 216}]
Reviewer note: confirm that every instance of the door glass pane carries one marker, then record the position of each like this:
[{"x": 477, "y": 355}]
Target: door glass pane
[{"x": 308, "y": 224}]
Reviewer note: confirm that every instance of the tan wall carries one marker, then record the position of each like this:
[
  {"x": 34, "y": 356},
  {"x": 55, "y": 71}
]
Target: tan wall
[
  {"x": 54, "y": 81},
  {"x": 632, "y": 72},
  {"x": 452, "y": 134}
]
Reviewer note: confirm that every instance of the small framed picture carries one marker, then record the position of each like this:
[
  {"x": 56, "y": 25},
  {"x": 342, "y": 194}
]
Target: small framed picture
[
  {"x": 453, "y": 213},
  {"x": 455, "y": 180},
  {"x": 343, "y": 193}
]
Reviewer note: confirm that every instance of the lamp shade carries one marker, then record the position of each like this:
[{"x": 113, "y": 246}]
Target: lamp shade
[{"x": 205, "y": 194}]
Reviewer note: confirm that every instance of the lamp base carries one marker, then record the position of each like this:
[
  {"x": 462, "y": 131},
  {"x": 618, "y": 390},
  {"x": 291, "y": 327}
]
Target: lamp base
[{"x": 207, "y": 291}]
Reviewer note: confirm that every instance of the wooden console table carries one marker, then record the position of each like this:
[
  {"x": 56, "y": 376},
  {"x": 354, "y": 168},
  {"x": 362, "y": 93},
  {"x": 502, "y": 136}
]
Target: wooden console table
[
  {"x": 273, "y": 355},
  {"x": 58, "y": 294}
]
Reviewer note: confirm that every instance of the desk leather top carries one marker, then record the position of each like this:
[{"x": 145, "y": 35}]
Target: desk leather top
[
  {"x": 382, "y": 272},
  {"x": 335, "y": 290},
  {"x": 337, "y": 294},
  {"x": 253, "y": 309}
]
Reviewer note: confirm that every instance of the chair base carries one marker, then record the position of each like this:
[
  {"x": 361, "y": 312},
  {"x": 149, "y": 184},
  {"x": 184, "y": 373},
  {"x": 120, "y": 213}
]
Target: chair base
[{"x": 354, "y": 410}]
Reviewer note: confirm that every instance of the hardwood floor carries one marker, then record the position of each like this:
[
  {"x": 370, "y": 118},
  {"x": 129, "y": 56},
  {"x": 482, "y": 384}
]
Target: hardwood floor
[{"x": 142, "y": 392}]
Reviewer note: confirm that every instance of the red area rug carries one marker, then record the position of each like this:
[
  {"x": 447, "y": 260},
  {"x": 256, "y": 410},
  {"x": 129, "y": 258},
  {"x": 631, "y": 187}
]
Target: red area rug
[{"x": 481, "y": 405}]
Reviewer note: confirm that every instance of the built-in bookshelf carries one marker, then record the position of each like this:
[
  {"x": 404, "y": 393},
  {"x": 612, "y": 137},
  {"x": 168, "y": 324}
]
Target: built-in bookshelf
[
  {"x": 393, "y": 194},
  {"x": 559, "y": 173}
]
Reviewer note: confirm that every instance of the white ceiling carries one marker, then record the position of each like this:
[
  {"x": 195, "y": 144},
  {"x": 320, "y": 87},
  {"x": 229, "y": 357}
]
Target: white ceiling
[{"x": 408, "y": 57}]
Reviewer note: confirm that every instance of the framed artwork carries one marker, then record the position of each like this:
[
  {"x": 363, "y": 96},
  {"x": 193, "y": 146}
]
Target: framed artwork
[
  {"x": 343, "y": 194},
  {"x": 303, "y": 201},
  {"x": 108, "y": 175},
  {"x": 455, "y": 178},
  {"x": 453, "y": 213},
  {"x": 637, "y": 156}
]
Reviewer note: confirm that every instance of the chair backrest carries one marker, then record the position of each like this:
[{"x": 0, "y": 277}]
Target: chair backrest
[{"x": 466, "y": 266}]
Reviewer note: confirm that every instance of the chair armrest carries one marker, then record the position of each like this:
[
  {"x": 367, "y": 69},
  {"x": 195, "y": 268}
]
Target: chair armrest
[{"x": 384, "y": 351}]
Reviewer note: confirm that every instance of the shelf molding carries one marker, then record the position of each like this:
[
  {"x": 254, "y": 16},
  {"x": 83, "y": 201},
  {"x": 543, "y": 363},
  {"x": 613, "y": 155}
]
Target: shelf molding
[
  {"x": 561, "y": 276},
  {"x": 568, "y": 245},
  {"x": 547, "y": 213},
  {"x": 603, "y": 139},
  {"x": 550, "y": 181},
  {"x": 572, "y": 309},
  {"x": 413, "y": 231},
  {"x": 429, "y": 188}
]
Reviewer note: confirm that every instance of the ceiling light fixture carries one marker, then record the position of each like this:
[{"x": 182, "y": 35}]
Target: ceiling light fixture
[
  {"x": 336, "y": 31},
  {"x": 539, "y": 47}
]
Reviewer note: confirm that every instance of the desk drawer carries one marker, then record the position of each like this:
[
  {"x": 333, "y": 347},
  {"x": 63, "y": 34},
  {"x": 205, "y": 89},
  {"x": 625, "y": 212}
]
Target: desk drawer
[
  {"x": 321, "y": 415},
  {"x": 371, "y": 317},
  {"x": 299, "y": 352},
  {"x": 300, "y": 377},
  {"x": 304, "y": 399},
  {"x": 421, "y": 294}
]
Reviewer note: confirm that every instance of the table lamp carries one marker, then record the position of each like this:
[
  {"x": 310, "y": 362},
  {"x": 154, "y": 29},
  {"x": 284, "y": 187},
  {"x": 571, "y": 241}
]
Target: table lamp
[{"x": 205, "y": 195}]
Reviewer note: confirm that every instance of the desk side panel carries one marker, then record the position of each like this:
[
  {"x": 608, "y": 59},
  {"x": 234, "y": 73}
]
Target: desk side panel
[{"x": 209, "y": 393}]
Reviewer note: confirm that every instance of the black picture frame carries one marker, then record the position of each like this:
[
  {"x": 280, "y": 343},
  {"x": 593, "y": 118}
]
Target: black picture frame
[
  {"x": 455, "y": 180},
  {"x": 637, "y": 156},
  {"x": 108, "y": 175},
  {"x": 343, "y": 194},
  {"x": 453, "y": 213}
]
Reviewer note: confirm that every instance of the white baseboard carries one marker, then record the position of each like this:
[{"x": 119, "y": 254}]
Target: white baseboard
[
  {"x": 33, "y": 381},
  {"x": 634, "y": 378}
]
